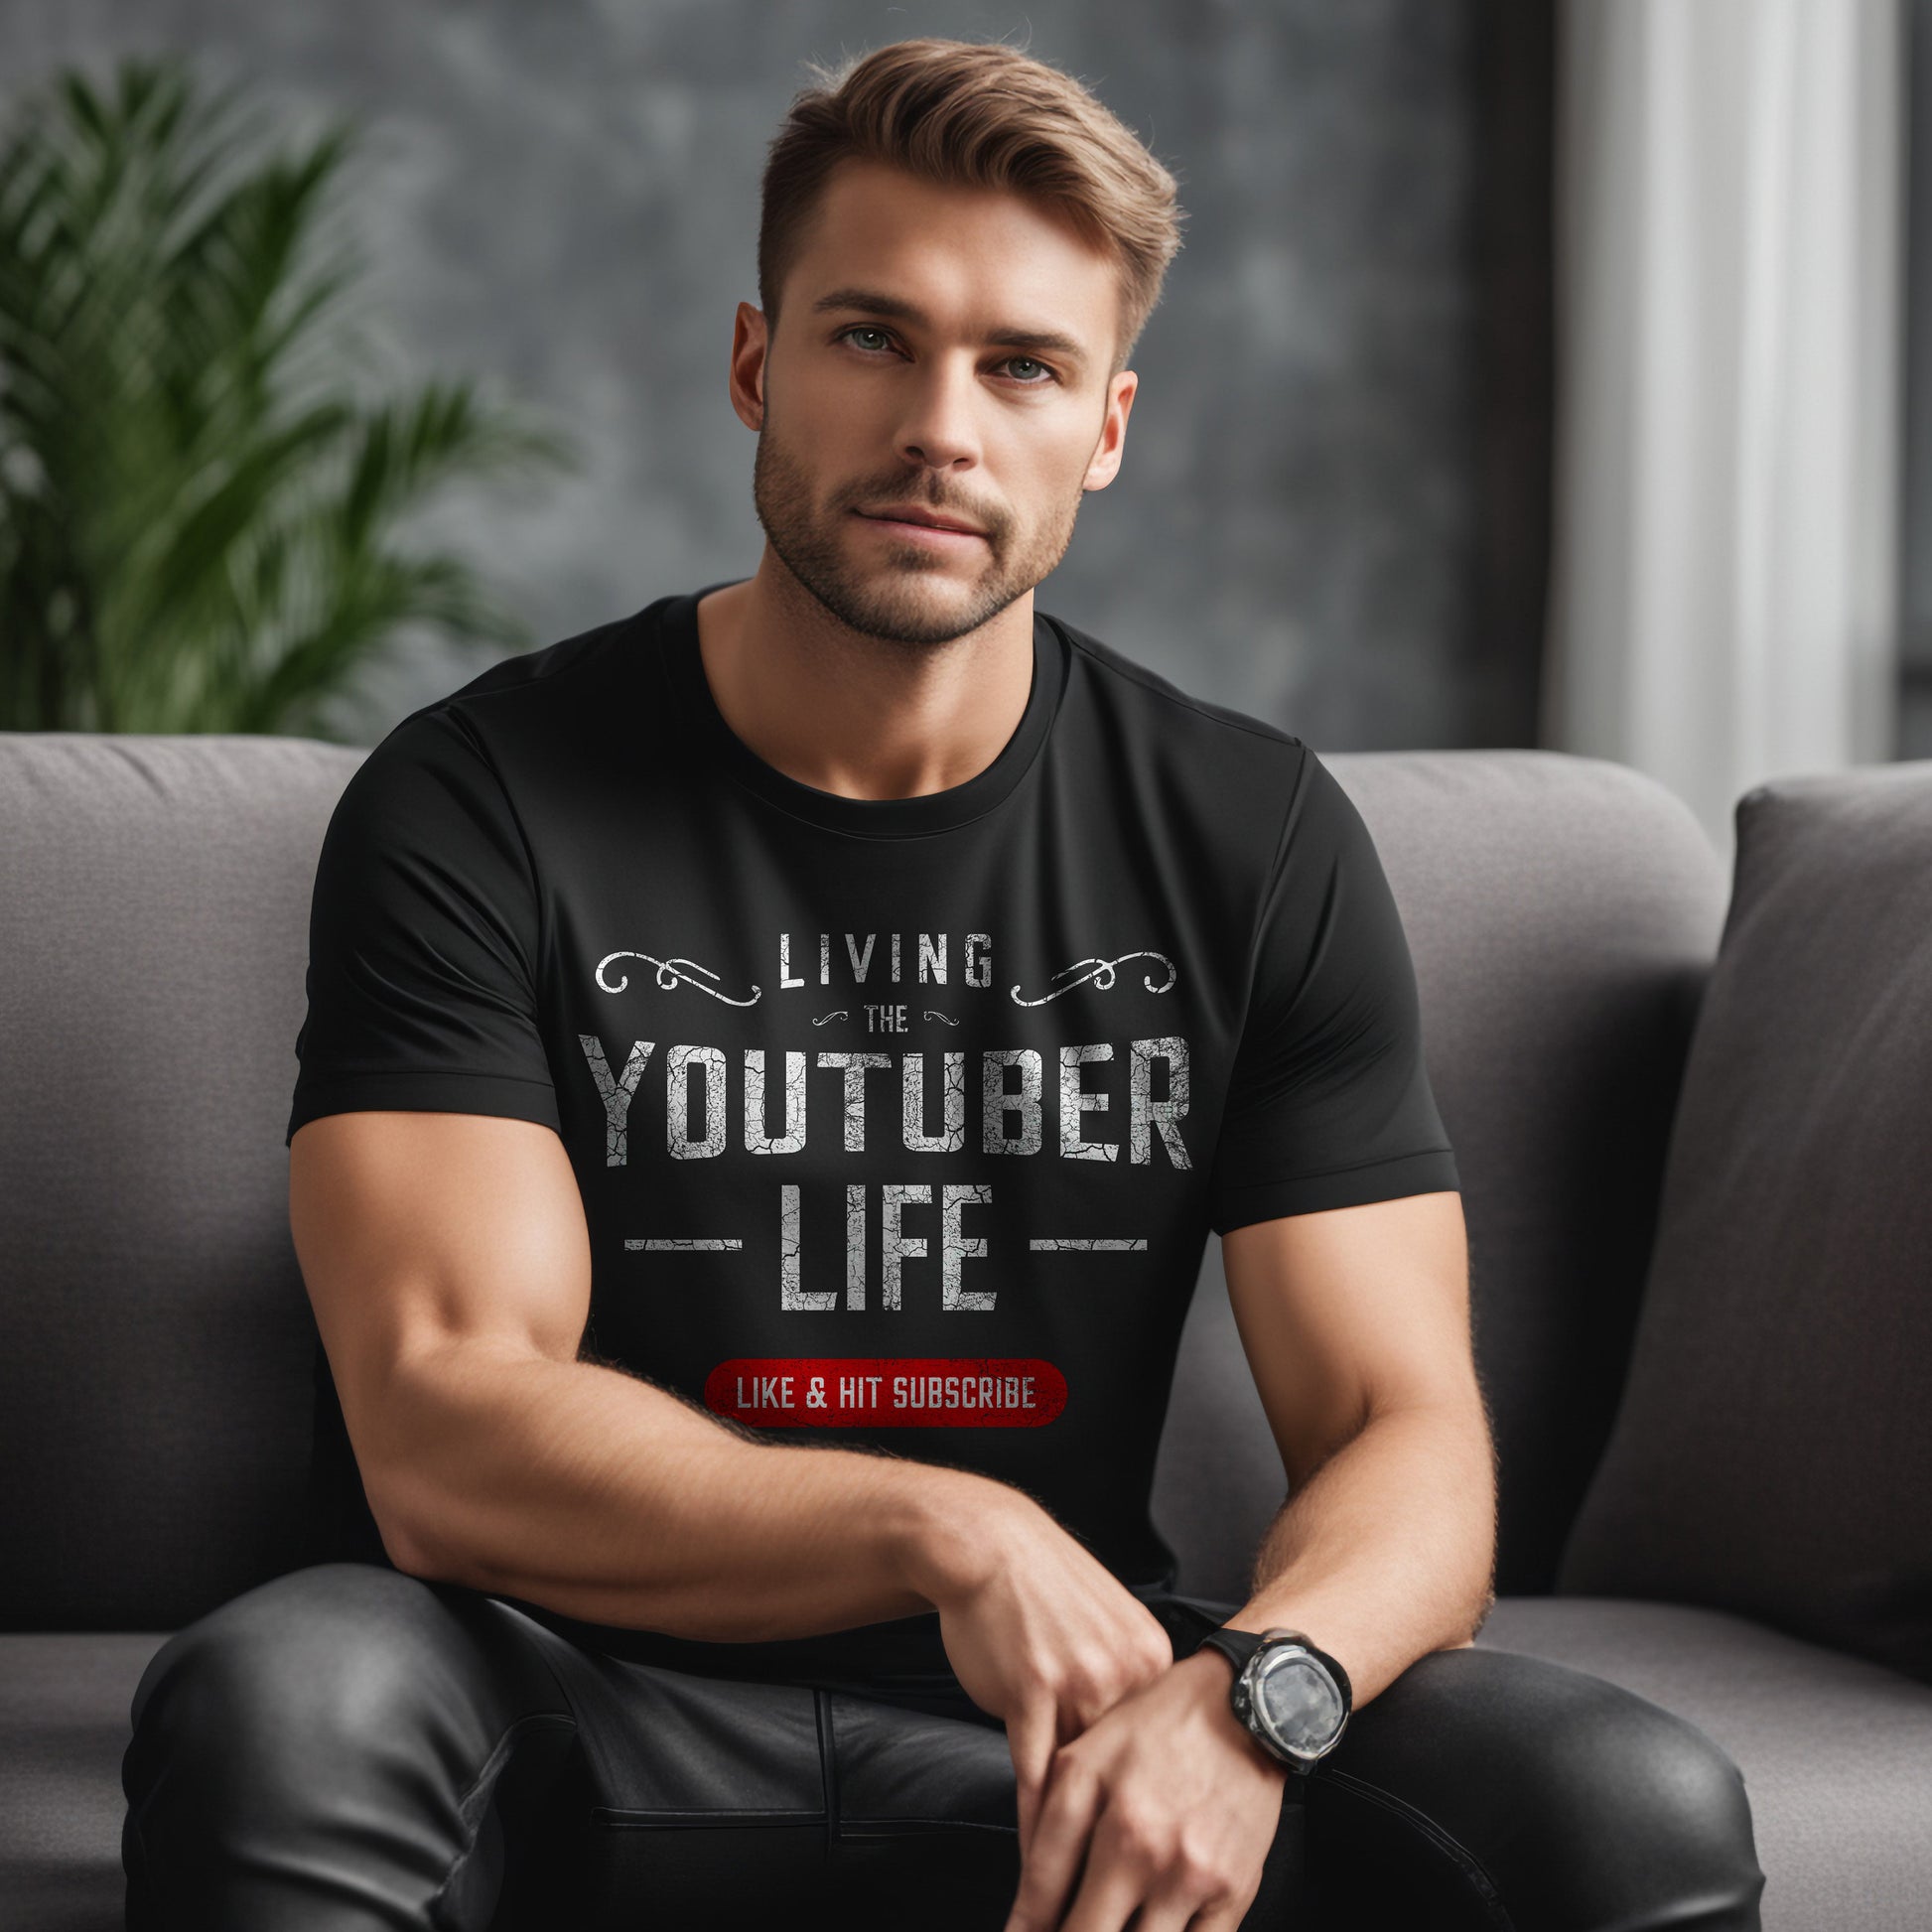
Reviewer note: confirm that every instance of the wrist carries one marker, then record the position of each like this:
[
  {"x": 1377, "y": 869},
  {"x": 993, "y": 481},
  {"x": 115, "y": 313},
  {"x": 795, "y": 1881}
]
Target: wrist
[
  {"x": 1212, "y": 1674},
  {"x": 950, "y": 1524}
]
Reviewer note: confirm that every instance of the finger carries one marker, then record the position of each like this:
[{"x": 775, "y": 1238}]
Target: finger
[
  {"x": 1111, "y": 1890},
  {"x": 1172, "y": 1907},
  {"x": 1029, "y": 1737},
  {"x": 1168, "y": 1914},
  {"x": 1051, "y": 1864}
]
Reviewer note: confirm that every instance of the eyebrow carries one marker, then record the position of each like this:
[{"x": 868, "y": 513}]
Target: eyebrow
[{"x": 876, "y": 302}]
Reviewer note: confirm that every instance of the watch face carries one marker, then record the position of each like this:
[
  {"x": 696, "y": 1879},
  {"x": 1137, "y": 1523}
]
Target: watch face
[{"x": 1297, "y": 1700}]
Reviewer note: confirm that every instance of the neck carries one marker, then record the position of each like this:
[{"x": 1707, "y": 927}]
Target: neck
[{"x": 861, "y": 716}]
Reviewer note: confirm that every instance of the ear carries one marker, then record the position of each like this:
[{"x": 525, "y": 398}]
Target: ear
[{"x": 750, "y": 340}]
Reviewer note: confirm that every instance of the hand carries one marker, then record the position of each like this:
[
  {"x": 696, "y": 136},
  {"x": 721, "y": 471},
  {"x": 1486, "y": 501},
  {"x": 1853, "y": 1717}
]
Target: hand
[
  {"x": 1039, "y": 1631},
  {"x": 1164, "y": 1806}
]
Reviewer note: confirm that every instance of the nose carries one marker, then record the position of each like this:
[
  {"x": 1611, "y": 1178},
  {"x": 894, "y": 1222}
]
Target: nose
[{"x": 939, "y": 426}]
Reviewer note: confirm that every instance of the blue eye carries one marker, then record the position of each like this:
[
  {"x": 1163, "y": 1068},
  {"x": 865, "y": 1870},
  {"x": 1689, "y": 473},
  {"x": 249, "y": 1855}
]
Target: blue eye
[{"x": 1045, "y": 376}]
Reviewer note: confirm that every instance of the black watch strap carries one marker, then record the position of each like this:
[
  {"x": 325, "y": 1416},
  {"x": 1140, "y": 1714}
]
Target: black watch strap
[{"x": 1238, "y": 1646}]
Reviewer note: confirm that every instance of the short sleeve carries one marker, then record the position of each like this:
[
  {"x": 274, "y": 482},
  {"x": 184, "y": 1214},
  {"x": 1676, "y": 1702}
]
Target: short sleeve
[
  {"x": 1330, "y": 1103},
  {"x": 423, "y": 940}
]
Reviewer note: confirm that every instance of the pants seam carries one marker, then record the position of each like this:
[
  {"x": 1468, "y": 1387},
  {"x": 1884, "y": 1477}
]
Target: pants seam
[
  {"x": 1458, "y": 1853},
  {"x": 475, "y": 1799},
  {"x": 699, "y": 1817},
  {"x": 828, "y": 1767},
  {"x": 887, "y": 1827}
]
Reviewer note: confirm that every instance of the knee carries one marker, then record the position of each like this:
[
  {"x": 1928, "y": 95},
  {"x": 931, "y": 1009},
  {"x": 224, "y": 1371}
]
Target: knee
[
  {"x": 1648, "y": 1767},
  {"x": 1645, "y": 1814},
  {"x": 260, "y": 1690}
]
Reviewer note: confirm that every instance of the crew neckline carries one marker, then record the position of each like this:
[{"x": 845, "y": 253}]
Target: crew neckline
[{"x": 929, "y": 812}]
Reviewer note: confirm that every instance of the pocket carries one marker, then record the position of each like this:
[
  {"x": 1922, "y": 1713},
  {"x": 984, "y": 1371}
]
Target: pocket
[{"x": 938, "y": 1875}]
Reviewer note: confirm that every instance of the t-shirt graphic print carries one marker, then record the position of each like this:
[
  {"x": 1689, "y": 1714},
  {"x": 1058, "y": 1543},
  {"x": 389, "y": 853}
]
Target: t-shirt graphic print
[{"x": 898, "y": 1122}]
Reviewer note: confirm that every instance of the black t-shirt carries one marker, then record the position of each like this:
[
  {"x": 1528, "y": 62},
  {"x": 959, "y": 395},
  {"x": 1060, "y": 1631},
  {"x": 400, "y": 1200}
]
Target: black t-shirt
[{"x": 896, "y": 1121}]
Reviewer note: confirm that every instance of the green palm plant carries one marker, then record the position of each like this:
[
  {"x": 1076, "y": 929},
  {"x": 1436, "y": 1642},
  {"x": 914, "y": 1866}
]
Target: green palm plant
[{"x": 197, "y": 507}]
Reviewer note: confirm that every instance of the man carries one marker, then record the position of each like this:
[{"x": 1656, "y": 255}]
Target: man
[{"x": 771, "y": 1065}]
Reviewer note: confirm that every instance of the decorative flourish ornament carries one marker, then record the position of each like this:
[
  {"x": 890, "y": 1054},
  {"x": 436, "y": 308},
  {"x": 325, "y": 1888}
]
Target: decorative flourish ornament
[
  {"x": 1103, "y": 973},
  {"x": 670, "y": 974}
]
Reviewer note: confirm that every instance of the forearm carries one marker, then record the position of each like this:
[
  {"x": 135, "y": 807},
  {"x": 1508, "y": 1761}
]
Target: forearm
[
  {"x": 592, "y": 1492},
  {"x": 1387, "y": 1552}
]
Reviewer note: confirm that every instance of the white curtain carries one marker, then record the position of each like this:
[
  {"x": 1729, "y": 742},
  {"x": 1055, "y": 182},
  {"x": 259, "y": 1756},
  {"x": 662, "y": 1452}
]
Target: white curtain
[{"x": 1729, "y": 248}]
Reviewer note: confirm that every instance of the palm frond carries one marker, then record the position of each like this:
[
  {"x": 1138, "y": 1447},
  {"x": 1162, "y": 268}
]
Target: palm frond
[{"x": 197, "y": 500}]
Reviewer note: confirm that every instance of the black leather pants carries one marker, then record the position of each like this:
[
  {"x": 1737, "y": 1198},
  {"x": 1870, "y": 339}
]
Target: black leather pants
[{"x": 348, "y": 1748}]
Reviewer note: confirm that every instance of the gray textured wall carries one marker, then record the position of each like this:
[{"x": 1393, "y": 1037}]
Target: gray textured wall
[{"x": 565, "y": 197}]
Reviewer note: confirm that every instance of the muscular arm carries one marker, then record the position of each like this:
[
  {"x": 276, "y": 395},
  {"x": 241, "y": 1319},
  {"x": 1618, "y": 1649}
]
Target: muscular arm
[
  {"x": 1356, "y": 1324},
  {"x": 448, "y": 1262}
]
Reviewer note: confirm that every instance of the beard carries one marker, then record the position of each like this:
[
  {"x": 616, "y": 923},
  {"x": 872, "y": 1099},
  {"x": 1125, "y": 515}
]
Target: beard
[{"x": 892, "y": 598}]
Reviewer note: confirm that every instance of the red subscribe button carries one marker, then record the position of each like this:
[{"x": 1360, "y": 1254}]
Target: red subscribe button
[{"x": 887, "y": 1391}]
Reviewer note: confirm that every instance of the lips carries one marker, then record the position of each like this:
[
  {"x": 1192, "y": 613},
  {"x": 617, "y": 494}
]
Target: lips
[{"x": 927, "y": 520}]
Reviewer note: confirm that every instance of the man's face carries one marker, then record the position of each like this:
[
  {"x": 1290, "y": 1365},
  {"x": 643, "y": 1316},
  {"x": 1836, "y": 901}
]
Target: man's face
[{"x": 900, "y": 373}]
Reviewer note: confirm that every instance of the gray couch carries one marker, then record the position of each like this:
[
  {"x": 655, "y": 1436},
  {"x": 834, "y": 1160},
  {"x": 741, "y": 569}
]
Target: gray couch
[{"x": 1699, "y": 1188}]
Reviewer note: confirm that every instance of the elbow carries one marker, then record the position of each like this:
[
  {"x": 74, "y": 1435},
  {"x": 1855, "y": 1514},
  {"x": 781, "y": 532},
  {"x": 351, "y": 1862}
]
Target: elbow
[
  {"x": 416, "y": 1525},
  {"x": 411, "y": 1555},
  {"x": 405, "y": 1433},
  {"x": 401, "y": 1528},
  {"x": 1458, "y": 1417}
]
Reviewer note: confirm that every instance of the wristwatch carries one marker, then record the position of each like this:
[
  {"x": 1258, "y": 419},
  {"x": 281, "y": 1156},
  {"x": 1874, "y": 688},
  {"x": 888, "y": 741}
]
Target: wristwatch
[{"x": 1293, "y": 1699}]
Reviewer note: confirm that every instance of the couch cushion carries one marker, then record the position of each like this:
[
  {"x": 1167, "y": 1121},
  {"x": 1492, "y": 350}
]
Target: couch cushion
[
  {"x": 1772, "y": 1455},
  {"x": 1836, "y": 1752},
  {"x": 63, "y": 1724},
  {"x": 155, "y": 1347}
]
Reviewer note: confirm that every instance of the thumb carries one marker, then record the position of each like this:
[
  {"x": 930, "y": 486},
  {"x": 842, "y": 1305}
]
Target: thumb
[{"x": 1033, "y": 1737}]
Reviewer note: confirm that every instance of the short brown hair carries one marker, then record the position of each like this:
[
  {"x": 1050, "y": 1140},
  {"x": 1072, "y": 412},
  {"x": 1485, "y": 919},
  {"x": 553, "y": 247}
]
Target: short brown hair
[{"x": 975, "y": 114}]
